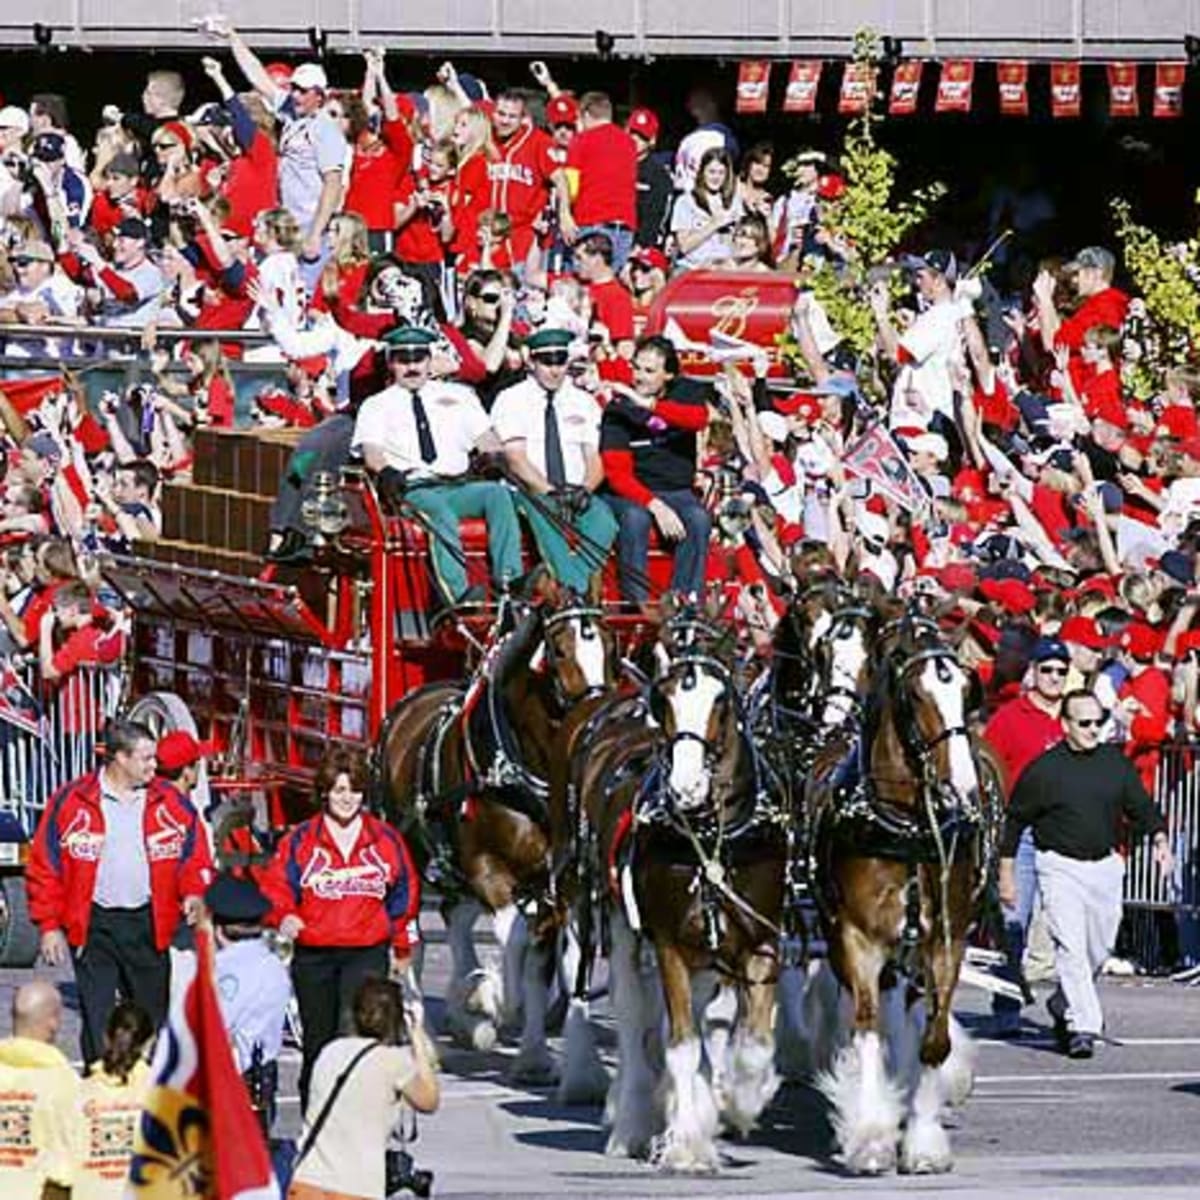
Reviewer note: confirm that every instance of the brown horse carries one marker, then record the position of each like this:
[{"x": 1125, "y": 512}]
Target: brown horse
[
  {"x": 689, "y": 836},
  {"x": 901, "y": 847},
  {"x": 463, "y": 770}
]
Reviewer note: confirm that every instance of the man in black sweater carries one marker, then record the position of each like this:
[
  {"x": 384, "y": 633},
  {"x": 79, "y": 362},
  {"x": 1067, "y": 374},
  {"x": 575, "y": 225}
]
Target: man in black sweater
[{"x": 1080, "y": 798}]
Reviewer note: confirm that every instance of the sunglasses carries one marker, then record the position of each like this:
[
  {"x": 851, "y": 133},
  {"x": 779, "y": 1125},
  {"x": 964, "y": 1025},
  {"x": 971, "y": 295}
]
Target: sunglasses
[
  {"x": 167, "y": 145},
  {"x": 1063, "y": 671},
  {"x": 409, "y": 354},
  {"x": 553, "y": 358},
  {"x": 24, "y": 262},
  {"x": 488, "y": 297},
  {"x": 1089, "y": 723}
]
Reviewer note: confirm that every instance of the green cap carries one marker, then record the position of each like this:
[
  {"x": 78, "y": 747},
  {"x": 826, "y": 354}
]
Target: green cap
[
  {"x": 410, "y": 335},
  {"x": 549, "y": 339}
]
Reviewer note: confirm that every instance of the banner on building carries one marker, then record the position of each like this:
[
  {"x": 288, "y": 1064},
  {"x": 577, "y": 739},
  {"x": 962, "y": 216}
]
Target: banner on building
[
  {"x": 803, "y": 82},
  {"x": 1012, "y": 79},
  {"x": 753, "y": 86},
  {"x": 858, "y": 88},
  {"x": 1168, "y": 88},
  {"x": 954, "y": 86},
  {"x": 906, "y": 88},
  {"x": 1122, "y": 89},
  {"x": 1064, "y": 89}
]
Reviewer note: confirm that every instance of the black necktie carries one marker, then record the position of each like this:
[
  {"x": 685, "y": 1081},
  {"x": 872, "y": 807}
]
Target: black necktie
[
  {"x": 556, "y": 472},
  {"x": 424, "y": 433}
]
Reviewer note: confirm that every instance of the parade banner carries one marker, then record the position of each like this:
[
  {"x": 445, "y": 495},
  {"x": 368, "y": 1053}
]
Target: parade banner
[
  {"x": 753, "y": 86},
  {"x": 803, "y": 83},
  {"x": 877, "y": 457},
  {"x": 1122, "y": 89},
  {"x": 1064, "y": 89},
  {"x": 858, "y": 89},
  {"x": 1168, "y": 88},
  {"x": 906, "y": 88},
  {"x": 1012, "y": 79},
  {"x": 954, "y": 87}
]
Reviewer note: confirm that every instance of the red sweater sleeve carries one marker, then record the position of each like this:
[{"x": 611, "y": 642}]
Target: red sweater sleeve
[
  {"x": 618, "y": 470},
  {"x": 121, "y": 288},
  {"x": 693, "y": 417}
]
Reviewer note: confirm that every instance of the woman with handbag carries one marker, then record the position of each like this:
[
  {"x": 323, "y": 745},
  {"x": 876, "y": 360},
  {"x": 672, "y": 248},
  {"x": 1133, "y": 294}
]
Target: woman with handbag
[
  {"x": 357, "y": 1090},
  {"x": 343, "y": 888}
]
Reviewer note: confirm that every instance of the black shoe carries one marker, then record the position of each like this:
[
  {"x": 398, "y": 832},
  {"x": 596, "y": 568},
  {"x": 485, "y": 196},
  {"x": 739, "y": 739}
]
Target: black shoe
[
  {"x": 293, "y": 549},
  {"x": 1081, "y": 1045},
  {"x": 1056, "y": 1006}
]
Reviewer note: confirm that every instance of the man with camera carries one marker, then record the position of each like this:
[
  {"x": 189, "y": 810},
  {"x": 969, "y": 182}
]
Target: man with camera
[{"x": 128, "y": 290}]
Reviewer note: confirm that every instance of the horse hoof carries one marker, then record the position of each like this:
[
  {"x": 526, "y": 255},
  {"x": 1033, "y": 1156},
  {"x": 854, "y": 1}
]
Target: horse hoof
[
  {"x": 626, "y": 1146},
  {"x": 537, "y": 1069},
  {"x": 925, "y": 1150},
  {"x": 482, "y": 1036},
  {"x": 589, "y": 1087},
  {"x": 684, "y": 1157},
  {"x": 926, "y": 1164},
  {"x": 874, "y": 1156}
]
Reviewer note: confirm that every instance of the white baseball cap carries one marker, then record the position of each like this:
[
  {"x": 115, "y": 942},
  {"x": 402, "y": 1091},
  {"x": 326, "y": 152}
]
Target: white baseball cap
[
  {"x": 12, "y": 117},
  {"x": 309, "y": 75}
]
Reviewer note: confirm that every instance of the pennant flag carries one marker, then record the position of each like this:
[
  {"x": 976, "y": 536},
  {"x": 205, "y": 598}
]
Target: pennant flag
[
  {"x": 1168, "y": 88},
  {"x": 197, "y": 1138},
  {"x": 1064, "y": 89},
  {"x": 1013, "y": 80},
  {"x": 753, "y": 86},
  {"x": 803, "y": 82},
  {"x": 25, "y": 395},
  {"x": 1122, "y": 89},
  {"x": 858, "y": 88},
  {"x": 18, "y": 705},
  {"x": 906, "y": 87},
  {"x": 954, "y": 87},
  {"x": 877, "y": 457}
]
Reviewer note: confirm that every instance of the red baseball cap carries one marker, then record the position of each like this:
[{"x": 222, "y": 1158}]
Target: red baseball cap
[
  {"x": 643, "y": 122},
  {"x": 562, "y": 110},
  {"x": 1141, "y": 640},
  {"x": 179, "y": 749},
  {"x": 651, "y": 257},
  {"x": 1011, "y": 594},
  {"x": 1083, "y": 631},
  {"x": 799, "y": 404}
]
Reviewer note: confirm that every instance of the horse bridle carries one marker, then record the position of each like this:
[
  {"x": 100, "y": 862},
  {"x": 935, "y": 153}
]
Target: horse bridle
[
  {"x": 921, "y": 746},
  {"x": 591, "y": 619},
  {"x": 840, "y": 622},
  {"x": 695, "y": 661}
]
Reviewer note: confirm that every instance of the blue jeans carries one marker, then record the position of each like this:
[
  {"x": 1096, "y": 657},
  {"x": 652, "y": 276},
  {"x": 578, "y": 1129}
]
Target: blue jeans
[
  {"x": 633, "y": 544},
  {"x": 1016, "y": 921}
]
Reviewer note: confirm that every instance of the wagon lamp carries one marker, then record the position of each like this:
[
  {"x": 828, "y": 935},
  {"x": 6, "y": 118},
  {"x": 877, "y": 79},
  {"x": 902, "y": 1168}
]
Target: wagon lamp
[{"x": 325, "y": 512}]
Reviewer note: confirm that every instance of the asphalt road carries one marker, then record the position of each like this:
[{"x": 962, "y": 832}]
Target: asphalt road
[{"x": 1126, "y": 1123}]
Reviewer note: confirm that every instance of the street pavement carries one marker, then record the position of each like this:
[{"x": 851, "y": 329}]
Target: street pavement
[{"x": 1124, "y": 1124}]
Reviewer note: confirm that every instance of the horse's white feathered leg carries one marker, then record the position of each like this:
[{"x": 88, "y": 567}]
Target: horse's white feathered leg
[
  {"x": 689, "y": 1142},
  {"x": 631, "y": 1100},
  {"x": 473, "y": 994},
  {"x": 717, "y": 1022},
  {"x": 925, "y": 1149},
  {"x": 512, "y": 936},
  {"x": 534, "y": 1064},
  {"x": 865, "y": 1103},
  {"x": 958, "y": 1071},
  {"x": 751, "y": 1080},
  {"x": 584, "y": 1079}
]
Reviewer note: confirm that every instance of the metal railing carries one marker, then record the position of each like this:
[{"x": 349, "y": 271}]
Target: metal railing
[
  {"x": 68, "y": 720},
  {"x": 1177, "y": 794}
]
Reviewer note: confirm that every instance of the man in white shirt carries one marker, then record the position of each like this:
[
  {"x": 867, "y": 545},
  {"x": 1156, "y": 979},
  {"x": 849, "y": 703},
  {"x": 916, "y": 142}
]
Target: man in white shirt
[
  {"x": 421, "y": 431},
  {"x": 550, "y": 430},
  {"x": 42, "y": 296}
]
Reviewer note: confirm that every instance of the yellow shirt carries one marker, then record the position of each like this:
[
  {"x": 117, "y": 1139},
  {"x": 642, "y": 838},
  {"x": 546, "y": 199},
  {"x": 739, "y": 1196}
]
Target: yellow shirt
[
  {"x": 39, "y": 1104},
  {"x": 105, "y": 1134}
]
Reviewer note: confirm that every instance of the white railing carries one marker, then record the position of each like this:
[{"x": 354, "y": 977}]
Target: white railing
[
  {"x": 70, "y": 719},
  {"x": 1177, "y": 794}
]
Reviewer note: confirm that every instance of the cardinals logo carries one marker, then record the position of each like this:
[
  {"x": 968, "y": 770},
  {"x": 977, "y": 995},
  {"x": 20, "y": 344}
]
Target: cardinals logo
[
  {"x": 369, "y": 876},
  {"x": 166, "y": 841},
  {"x": 80, "y": 841}
]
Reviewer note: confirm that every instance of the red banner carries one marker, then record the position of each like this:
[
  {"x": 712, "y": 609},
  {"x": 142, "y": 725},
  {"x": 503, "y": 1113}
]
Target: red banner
[
  {"x": 954, "y": 87},
  {"x": 875, "y": 456},
  {"x": 753, "y": 86},
  {"x": 906, "y": 87},
  {"x": 1012, "y": 78},
  {"x": 1122, "y": 89},
  {"x": 1064, "y": 89},
  {"x": 1168, "y": 88},
  {"x": 858, "y": 88},
  {"x": 803, "y": 82}
]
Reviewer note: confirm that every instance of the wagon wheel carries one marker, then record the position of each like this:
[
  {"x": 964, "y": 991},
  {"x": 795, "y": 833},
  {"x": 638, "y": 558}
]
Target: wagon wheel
[{"x": 163, "y": 713}]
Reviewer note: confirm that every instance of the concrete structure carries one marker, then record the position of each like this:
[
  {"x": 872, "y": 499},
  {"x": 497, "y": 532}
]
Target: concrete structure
[{"x": 1087, "y": 29}]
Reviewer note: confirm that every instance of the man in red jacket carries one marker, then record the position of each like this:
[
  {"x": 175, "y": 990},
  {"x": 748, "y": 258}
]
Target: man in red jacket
[{"x": 117, "y": 857}]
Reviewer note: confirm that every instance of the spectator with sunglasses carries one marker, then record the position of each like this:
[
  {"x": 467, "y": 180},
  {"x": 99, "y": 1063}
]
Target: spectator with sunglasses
[
  {"x": 1020, "y": 731},
  {"x": 1075, "y": 797}
]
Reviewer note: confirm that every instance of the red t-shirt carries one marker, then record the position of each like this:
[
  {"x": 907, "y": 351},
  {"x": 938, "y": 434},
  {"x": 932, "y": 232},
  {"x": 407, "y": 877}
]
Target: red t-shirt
[
  {"x": 468, "y": 198},
  {"x": 612, "y": 305},
  {"x": 220, "y": 402},
  {"x": 606, "y": 159},
  {"x": 1100, "y": 392},
  {"x": 375, "y": 175},
  {"x": 1018, "y": 733},
  {"x": 417, "y": 239},
  {"x": 252, "y": 184},
  {"x": 520, "y": 183},
  {"x": 1104, "y": 308}
]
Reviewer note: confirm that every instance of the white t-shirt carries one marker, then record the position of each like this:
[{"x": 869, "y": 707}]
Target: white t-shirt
[
  {"x": 309, "y": 148},
  {"x": 688, "y": 215},
  {"x": 62, "y": 298},
  {"x": 456, "y": 420},
  {"x": 347, "y": 1156},
  {"x": 519, "y": 414},
  {"x": 923, "y": 385}
]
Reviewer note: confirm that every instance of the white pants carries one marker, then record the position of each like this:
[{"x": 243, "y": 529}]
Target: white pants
[{"x": 1082, "y": 901}]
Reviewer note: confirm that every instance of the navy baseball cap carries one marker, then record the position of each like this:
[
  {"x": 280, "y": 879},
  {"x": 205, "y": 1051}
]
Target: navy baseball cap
[{"x": 1050, "y": 649}]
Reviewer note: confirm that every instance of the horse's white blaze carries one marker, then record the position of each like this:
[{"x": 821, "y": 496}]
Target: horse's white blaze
[
  {"x": 691, "y": 708},
  {"x": 589, "y": 651},
  {"x": 689, "y": 1141},
  {"x": 947, "y": 694},
  {"x": 926, "y": 1148},
  {"x": 845, "y": 664}
]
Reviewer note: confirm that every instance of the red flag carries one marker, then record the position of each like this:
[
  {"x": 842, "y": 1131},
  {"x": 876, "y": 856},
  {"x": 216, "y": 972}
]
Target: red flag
[
  {"x": 27, "y": 394},
  {"x": 198, "y": 1136},
  {"x": 954, "y": 87},
  {"x": 1064, "y": 89},
  {"x": 753, "y": 86},
  {"x": 803, "y": 81},
  {"x": 1168, "y": 88},
  {"x": 858, "y": 88},
  {"x": 875, "y": 456},
  {"x": 906, "y": 87},
  {"x": 18, "y": 705},
  {"x": 1013, "y": 81},
  {"x": 1122, "y": 89}
]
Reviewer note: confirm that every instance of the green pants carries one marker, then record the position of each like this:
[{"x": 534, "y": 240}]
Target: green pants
[
  {"x": 572, "y": 567},
  {"x": 444, "y": 505}
]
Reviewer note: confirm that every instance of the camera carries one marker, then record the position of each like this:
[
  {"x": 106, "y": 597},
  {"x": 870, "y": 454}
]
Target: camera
[{"x": 402, "y": 1175}]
